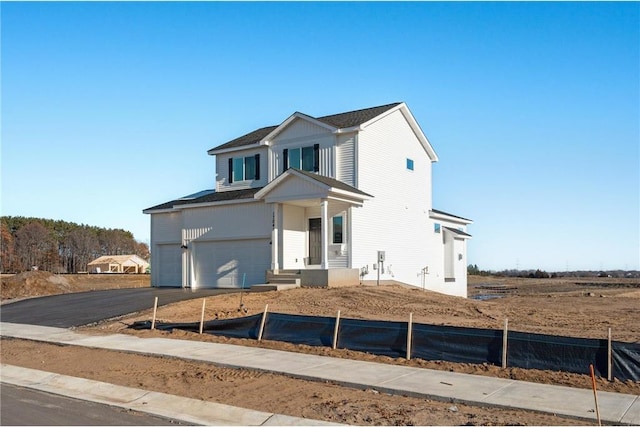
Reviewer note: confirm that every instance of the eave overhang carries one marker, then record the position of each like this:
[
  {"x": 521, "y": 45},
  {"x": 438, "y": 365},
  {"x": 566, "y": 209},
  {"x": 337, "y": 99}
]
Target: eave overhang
[
  {"x": 444, "y": 216},
  {"x": 318, "y": 187},
  {"x": 457, "y": 234}
]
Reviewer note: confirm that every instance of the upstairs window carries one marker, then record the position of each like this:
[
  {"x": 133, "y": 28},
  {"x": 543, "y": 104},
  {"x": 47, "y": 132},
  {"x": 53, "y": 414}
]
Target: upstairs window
[
  {"x": 244, "y": 168},
  {"x": 436, "y": 228},
  {"x": 410, "y": 164},
  {"x": 305, "y": 158}
]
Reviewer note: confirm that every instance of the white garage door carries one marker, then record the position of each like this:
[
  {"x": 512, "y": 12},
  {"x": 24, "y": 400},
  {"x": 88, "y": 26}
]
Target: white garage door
[
  {"x": 224, "y": 264},
  {"x": 169, "y": 265}
]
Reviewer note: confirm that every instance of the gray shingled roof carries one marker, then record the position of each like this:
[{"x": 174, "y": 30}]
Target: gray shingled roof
[
  {"x": 340, "y": 121},
  {"x": 209, "y": 198},
  {"x": 458, "y": 232},
  {"x": 334, "y": 183}
]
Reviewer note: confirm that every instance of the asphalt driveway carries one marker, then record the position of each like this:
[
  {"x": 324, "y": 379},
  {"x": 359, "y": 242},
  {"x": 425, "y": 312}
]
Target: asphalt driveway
[{"x": 77, "y": 309}]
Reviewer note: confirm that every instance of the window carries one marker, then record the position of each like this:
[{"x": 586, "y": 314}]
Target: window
[
  {"x": 436, "y": 228},
  {"x": 410, "y": 164},
  {"x": 305, "y": 158},
  {"x": 249, "y": 167},
  {"x": 238, "y": 169},
  {"x": 337, "y": 229},
  {"x": 244, "y": 168}
]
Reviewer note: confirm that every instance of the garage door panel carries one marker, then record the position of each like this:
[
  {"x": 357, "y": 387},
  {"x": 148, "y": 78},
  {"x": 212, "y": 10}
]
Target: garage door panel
[{"x": 224, "y": 264}]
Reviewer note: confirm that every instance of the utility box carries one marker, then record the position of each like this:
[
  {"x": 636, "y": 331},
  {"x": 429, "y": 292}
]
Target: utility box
[{"x": 381, "y": 256}]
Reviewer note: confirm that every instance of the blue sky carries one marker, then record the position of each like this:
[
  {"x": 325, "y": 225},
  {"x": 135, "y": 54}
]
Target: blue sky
[{"x": 533, "y": 108}]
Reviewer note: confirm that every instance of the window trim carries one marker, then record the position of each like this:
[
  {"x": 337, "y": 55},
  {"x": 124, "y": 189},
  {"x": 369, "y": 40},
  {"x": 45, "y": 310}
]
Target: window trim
[
  {"x": 286, "y": 160},
  {"x": 233, "y": 161}
]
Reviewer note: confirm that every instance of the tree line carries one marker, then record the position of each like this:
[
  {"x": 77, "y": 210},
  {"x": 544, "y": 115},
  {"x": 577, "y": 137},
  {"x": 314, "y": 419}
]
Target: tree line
[{"x": 60, "y": 246}]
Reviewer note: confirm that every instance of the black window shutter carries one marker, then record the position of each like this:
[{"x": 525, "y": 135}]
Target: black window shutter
[
  {"x": 230, "y": 170},
  {"x": 285, "y": 159},
  {"x": 257, "y": 157},
  {"x": 316, "y": 157}
]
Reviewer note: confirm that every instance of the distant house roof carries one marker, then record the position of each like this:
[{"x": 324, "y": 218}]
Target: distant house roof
[
  {"x": 339, "y": 121},
  {"x": 119, "y": 259},
  {"x": 209, "y": 196}
]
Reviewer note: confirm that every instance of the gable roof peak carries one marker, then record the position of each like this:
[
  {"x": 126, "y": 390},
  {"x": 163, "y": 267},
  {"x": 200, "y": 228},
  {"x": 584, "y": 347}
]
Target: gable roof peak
[{"x": 344, "y": 120}]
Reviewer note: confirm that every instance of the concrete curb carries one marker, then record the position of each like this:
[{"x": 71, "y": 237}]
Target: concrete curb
[{"x": 192, "y": 411}]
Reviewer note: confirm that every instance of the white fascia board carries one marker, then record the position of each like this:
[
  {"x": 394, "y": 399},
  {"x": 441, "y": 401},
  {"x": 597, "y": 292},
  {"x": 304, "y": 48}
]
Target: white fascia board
[
  {"x": 455, "y": 235},
  {"x": 155, "y": 211},
  {"x": 214, "y": 151},
  {"x": 207, "y": 204},
  {"x": 348, "y": 130},
  {"x": 307, "y": 196},
  {"x": 443, "y": 217},
  {"x": 357, "y": 196},
  {"x": 353, "y": 202}
]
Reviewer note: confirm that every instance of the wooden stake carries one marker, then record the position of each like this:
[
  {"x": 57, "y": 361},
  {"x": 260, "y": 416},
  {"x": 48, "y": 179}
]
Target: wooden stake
[
  {"x": 155, "y": 310},
  {"x": 409, "y": 333},
  {"x": 504, "y": 342},
  {"x": 609, "y": 357},
  {"x": 595, "y": 395},
  {"x": 264, "y": 318},
  {"x": 335, "y": 331},
  {"x": 202, "y": 315}
]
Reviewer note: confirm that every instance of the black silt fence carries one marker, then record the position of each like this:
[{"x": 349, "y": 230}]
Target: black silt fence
[{"x": 432, "y": 342}]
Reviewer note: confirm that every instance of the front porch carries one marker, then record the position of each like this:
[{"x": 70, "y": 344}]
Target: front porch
[{"x": 311, "y": 237}]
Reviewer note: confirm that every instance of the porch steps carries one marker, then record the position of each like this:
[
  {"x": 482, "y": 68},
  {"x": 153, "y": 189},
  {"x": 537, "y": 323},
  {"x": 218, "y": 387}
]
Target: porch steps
[
  {"x": 285, "y": 277},
  {"x": 274, "y": 287}
]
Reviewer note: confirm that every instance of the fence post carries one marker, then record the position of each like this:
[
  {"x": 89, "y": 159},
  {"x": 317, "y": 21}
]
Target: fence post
[
  {"x": 504, "y": 342},
  {"x": 409, "y": 332},
  {"x": 204, "y": 300},
  {"x": 609, "y": 357},
  {"x": 335, "y": 331},
  {"x": 264, "y": 318},
  {"x": 155, "y": 310}
]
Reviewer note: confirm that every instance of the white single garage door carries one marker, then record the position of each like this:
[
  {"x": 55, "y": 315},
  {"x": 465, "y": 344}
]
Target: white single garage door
[
  {"x": 169, "y": 265},
  {"x": 223, "y": 264}
]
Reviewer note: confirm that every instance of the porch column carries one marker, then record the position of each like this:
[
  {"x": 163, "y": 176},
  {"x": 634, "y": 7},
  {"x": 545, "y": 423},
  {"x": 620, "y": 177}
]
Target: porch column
[
  {"x": 274, "y": 238},
  {"x": 324, "y": 222}
]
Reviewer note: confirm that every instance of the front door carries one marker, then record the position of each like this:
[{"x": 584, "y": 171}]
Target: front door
[{"x": 315, "y": 241}]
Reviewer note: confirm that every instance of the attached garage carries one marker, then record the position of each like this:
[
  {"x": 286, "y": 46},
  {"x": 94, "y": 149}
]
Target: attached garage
[
  {"x": 169, "y": 265},
  {"x": 224, "y": 263}
]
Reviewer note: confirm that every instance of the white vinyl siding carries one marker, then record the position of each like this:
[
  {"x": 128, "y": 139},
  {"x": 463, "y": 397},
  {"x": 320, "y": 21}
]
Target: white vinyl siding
[
  {"x": 401, "y": 197},
  {"x": 293, "y": 237},
  {"x": 239, "y": 181},
  {"x": 345, "y": 160},
  {"x": 301, "y": 134}
]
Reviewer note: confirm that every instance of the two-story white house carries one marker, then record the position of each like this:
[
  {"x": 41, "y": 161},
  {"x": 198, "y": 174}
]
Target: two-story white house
[{"x": 315, "y": 198}]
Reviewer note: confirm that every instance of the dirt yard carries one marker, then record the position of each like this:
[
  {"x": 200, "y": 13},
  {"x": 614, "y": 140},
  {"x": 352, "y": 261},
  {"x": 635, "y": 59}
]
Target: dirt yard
[
  {"x": 40, "y": 283},
  {"x": 572, "y": 307}
]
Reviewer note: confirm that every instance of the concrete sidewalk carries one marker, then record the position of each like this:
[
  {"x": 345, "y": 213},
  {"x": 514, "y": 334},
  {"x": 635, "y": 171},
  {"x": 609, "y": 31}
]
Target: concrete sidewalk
[
  {"x": 418, "y": 382},
  {"x": 191, "y": 411}
]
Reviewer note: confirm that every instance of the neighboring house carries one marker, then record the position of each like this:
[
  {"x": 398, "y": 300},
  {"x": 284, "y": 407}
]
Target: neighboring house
[
  {"x": 118, "y": 264},
  {"x": 315, "y": 198}
]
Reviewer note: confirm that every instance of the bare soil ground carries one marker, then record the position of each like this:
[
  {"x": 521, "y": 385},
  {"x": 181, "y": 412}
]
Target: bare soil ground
[
  {"x": 571, "y": 307},
  {"x": 41, "y": 283}
]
